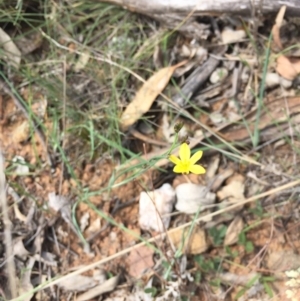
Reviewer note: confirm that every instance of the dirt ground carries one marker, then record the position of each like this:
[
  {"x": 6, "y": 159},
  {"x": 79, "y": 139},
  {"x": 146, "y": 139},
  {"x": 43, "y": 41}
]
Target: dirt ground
[{"x": 76, "y": 166}]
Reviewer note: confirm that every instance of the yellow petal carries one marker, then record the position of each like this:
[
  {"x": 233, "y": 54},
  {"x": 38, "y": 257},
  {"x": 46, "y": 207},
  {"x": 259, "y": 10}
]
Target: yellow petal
[
  {"x": 197, "y": 169},
  {"x": 184, "y": 152},
  {"x": 196, "y": 157},
  {"x": 174, "y": 159},
  {"x": 180, "y": 169}
]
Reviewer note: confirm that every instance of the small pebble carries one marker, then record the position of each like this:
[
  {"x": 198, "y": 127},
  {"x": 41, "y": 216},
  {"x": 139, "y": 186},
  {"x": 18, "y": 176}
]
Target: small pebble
[
  {"x": 273, "y": 80},
  {"x": 192, "y": 196}
]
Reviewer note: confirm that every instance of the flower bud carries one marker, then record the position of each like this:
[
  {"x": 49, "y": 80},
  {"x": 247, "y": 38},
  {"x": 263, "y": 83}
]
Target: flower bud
[{"x": 178, "y": 126}]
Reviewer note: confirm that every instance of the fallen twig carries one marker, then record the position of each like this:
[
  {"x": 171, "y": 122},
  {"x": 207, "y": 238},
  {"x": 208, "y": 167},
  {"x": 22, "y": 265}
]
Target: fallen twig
[{"x": 10, "y": 266}]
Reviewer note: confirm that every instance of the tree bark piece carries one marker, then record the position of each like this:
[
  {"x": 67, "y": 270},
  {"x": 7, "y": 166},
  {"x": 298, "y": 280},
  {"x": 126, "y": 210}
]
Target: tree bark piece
[{"x": 159, "y": 9}]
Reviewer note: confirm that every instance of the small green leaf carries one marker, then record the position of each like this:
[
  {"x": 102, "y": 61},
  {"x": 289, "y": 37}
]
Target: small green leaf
[
  {"x": 249, "y": 247},
  {"x": 151, "y": 290},
  {"x": 268, "y": 289}
]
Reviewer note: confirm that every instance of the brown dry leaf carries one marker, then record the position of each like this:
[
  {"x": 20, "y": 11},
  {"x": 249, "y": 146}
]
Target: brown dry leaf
[
  {"x": 233, "y": 231},
  {"x": 196, "y": 244},
  {"x": 277, "y": 25},
  {"x": 288, "y": 67},
  {"x": 139, "y": 260},
  {"x": 145, "y": 97}
]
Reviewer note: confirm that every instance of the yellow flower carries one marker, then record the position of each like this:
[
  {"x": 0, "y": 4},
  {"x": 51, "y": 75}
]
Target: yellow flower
[{"x": 186, "y": 163}]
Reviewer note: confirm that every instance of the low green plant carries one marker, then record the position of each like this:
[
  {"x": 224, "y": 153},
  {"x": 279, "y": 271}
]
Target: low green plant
[
  {"x": 264, "y": 280},
  {"x": 248, "y": 245},
  {"x": 218, "y": 234},
  {"x": 232, "y": 254}
]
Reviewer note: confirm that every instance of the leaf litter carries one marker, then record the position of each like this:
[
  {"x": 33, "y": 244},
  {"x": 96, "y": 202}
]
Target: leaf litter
[{"x": 54, "y": 213}]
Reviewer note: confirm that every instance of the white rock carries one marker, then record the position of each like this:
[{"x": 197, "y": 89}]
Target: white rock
[
  {"x": 218, "y": 75},
  {"x": 155, "y": 207},
  {"x": 272, "y": 80},
  {"x": 192, "y": 196},
  {"x": 285, "y": 83}
]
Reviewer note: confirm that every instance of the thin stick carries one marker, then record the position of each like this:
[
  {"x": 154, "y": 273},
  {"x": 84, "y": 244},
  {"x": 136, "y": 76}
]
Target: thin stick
[
  {"x": 64, "y": 127},
  {"x": 10, "y": 267}
]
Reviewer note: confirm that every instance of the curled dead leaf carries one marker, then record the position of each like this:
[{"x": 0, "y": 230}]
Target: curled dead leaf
[
  {"x": 277, "y": 26},
  {"x": 233, "y": 231},
  {"x": 233, "y": 192}
]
